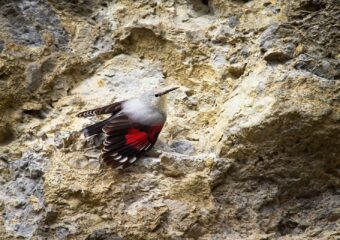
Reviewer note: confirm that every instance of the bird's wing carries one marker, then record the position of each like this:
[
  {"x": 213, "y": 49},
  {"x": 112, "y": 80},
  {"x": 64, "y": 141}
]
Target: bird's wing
[
  {"x": 113, "y": 109},
  {"x": 96, "y": 128},
  {"x": 125, "y": 140}
]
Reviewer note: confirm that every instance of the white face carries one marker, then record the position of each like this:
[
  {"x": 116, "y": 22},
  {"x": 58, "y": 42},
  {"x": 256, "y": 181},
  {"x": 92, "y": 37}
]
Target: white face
[
  {"x": 145, "y": 110},
  {"x": 149, "y": 98},
  {"x": 156, "y": 99}
]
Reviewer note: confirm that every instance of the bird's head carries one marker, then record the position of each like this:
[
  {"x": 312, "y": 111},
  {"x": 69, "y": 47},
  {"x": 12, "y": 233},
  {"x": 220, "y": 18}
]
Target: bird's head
[{"x": 157, "y": 97}]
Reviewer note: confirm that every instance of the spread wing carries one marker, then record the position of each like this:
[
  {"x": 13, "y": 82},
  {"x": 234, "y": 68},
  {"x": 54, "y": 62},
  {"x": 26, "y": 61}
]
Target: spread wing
[
  {"x": 113, "y": 109},
  {"x": 96, "y": 128},
  {"x": 126, "y": 140}
]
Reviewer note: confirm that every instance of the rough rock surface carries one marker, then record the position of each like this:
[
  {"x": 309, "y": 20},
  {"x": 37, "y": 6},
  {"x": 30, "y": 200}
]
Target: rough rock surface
[{"x": 252, "y": 143}]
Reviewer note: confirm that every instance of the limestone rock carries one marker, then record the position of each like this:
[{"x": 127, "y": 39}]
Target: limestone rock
[
  {"x": 251, "y": 144},
  {"x": 23, "y": 196}
]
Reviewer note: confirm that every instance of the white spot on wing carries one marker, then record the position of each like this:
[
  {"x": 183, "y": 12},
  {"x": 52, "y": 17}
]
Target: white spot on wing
[
  {"x": 132, "y": 159},
  {"x": 146, "y": 147}
]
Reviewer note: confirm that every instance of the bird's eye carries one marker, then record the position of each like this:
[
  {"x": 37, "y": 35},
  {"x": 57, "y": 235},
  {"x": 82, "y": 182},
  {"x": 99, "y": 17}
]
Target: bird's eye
[{"x": 157, "y": 95}]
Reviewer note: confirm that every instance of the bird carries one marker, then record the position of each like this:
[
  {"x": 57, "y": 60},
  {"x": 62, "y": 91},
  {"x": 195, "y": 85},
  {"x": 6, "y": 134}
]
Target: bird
[{"x": 131, "y": 129}]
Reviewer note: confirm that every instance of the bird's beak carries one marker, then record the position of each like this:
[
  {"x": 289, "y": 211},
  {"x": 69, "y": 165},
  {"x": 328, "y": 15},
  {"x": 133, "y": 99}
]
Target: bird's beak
[{"x": 166, "y": 91}]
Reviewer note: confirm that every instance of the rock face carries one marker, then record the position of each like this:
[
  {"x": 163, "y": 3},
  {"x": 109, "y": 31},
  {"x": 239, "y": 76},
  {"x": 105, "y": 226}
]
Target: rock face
[{"x": 252, "y": 142}]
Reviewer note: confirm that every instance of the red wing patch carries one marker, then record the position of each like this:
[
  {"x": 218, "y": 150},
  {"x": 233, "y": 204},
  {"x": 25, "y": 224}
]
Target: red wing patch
[
  {"x": 136, "y": 137},
  {"x": 154, "y": 132},
  {"x": 126, "y": 141}
]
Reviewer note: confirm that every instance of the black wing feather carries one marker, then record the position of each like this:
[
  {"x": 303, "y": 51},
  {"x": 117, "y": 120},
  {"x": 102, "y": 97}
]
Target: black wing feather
[
  {"x": 113, "y": 109},
  {"x": 120, "y": 147},
  {"x": 118, "y": 154}
]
